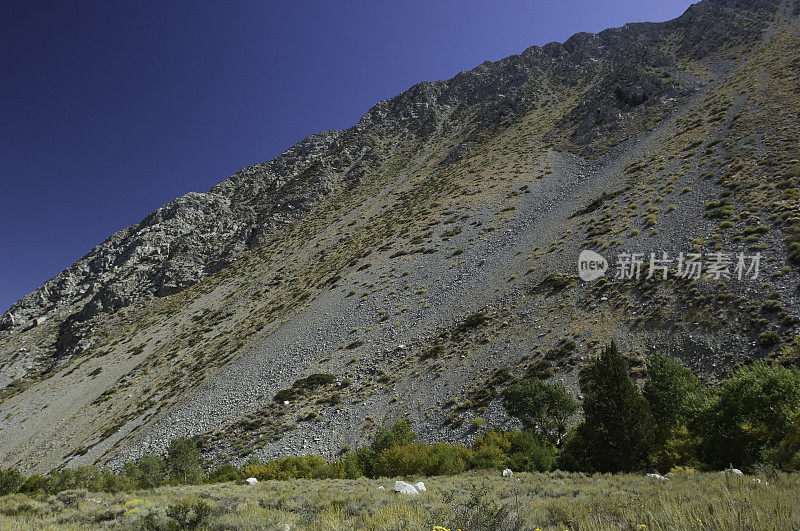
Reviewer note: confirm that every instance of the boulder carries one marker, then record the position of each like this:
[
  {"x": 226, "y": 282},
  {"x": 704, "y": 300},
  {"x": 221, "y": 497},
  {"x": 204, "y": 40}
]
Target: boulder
[
  {"x": 656, "y": 476},
  {"x": 251, "y": 481},
  {"x": 401, "y": 487},
  {"x": 507, "y": 473},
  {"x": 734, "y": 471}
]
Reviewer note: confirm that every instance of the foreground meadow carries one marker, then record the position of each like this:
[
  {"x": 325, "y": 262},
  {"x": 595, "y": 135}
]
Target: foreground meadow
[{"x": 475, "y": 500}]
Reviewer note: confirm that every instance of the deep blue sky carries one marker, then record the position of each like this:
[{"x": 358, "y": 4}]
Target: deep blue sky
[{"x": 109, "y": 109}]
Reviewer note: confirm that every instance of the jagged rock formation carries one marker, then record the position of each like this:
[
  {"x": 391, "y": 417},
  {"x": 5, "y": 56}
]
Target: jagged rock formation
[{"x": 447, "y": 220}]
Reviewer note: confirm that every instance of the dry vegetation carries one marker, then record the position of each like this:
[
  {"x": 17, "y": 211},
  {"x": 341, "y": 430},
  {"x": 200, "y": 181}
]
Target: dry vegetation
[{"x": 477, "y": 500}]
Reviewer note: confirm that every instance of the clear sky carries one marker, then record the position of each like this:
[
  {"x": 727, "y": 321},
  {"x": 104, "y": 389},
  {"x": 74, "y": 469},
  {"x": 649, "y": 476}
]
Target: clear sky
[{"x": 109, "y": 109}]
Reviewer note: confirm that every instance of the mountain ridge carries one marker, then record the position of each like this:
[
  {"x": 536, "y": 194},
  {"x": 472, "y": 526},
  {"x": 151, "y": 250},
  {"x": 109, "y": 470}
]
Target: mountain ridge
[
  {"x": 426, "y": 255},
  {"x": 315, "y": 142}
]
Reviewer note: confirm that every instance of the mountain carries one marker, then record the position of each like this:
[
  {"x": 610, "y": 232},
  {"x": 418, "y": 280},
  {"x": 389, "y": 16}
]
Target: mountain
[{"x": 413, "y": 264}]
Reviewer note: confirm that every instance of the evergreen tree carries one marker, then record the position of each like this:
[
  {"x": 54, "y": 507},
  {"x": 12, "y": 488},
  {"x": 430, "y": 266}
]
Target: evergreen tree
[{"x": 617, "y": 428}]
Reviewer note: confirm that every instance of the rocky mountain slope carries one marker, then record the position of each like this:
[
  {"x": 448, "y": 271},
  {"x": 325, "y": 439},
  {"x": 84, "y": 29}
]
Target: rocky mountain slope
[{"x": 413, "y": 264}]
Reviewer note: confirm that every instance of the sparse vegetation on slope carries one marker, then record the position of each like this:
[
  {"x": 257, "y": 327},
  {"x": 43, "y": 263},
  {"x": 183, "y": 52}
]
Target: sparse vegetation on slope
[{"x": 422, "y": 263}]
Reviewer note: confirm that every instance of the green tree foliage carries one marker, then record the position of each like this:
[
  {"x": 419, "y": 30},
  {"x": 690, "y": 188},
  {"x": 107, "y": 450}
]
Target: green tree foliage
[
  {"x": 521, "y": 451},
  {"x": 786, "y": 454},
  {"x": 754, "y": 411},
  {"x": 399, "y": 434},
  {"x": 542, "y": 407},
  {"x": 183, "y": 460},
  {"x": 386, "y": 438},
  {"x": 35, "y": 484},
  {"x": 418, "y": 458},
  {"x": 671, "y": 391},
  {"x": 11, "y": 481},
  {"x": 617, "y": 429},
  {"x": 224, "y": 474},
  {"x": 754, "y": 417},
  {"x": 302, "y": 467},
  {"x": 82, "y": 477},
  {"x": 675, "y": 397},
  {"x": 351, "y": 468},
  {"x": 149, "y": 472}
]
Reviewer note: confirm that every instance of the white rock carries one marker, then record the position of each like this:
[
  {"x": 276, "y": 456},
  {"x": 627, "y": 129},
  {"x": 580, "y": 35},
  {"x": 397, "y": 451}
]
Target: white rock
[
  {"x": 381, "y": 487},
  {"x": 656, "y": 476},
  {"x": 401, "y": 487},
  {"x": 734, "y": 471},
  {"x": 507, "y": 473},
  {"x": 251, "y": 481},
  {"x": 420, "y": 486},
  {"x": 285, "y": 402}
]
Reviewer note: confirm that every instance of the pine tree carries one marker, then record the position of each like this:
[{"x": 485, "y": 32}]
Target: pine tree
[{"x": 618, "y": 424}]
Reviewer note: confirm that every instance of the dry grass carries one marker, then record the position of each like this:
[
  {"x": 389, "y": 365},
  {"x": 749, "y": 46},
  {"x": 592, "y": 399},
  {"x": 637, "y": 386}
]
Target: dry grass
[{"x": 478, "y": 500}]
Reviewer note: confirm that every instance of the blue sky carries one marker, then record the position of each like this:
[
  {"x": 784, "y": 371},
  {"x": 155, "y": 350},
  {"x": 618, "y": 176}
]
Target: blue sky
[{"x": 110, "y": 109}]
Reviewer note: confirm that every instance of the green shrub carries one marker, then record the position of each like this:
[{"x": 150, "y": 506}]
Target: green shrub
[
  {"x": 310, "y": 383},
  {"x": 768, "y": 339},
  {"x": 403, "y": 460},
  {"x": 224, "y": 474},
  {"x": 35, "y": 484},
  {"x": 112, "y": 482},
  {"x": 673, "y": 393},
  {"x": 11, "y": 480},
  {"x": 84, "y": 477},
  {"x": 523, "y": 451},
  {"x": 446, "y": 460},
  {"x": 292, "y": 467},
  {"x": 790, "y": 353},
  {"x": 542, "y": 369},
  {"x": 786, "y": 454},
  {"x": 190, "y": 515},
  {"x": 351, "y": 466},
  {"x": 471, "y": 322},
  {"x": 794, "y": 252},
  {"x": 399, "y": 434},
  {"x": 489, "y": 456},
  {"x": 422, "y": 459}
]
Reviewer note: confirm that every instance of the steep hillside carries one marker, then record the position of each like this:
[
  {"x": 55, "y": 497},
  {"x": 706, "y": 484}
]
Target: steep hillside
[{"x": 411, "y": 265}]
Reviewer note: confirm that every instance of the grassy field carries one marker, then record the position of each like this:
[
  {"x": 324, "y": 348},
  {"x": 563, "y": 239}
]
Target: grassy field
[{"x": 476, "y": 500}]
